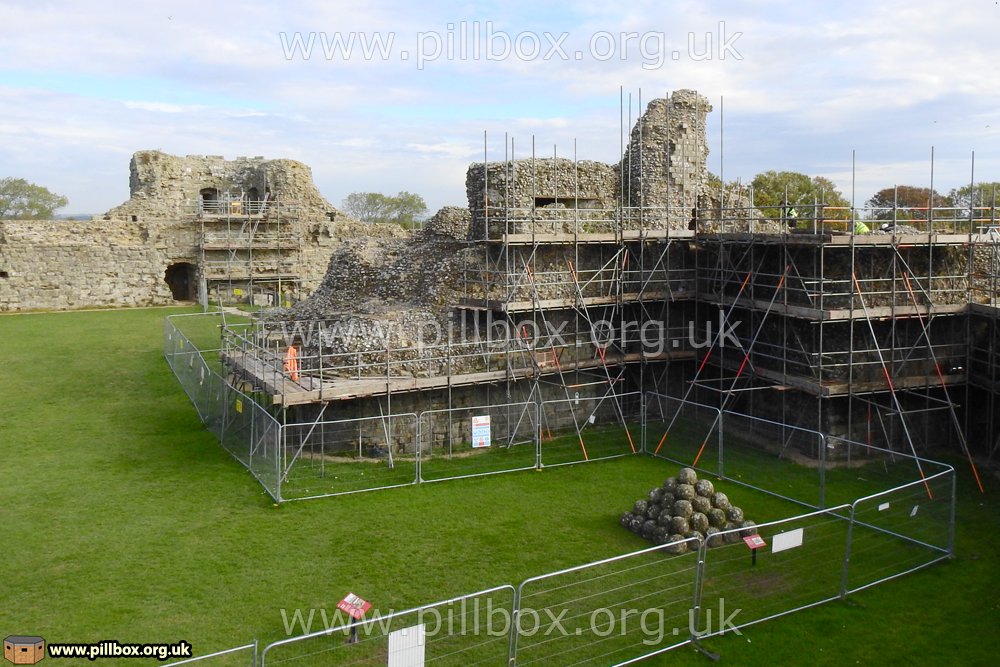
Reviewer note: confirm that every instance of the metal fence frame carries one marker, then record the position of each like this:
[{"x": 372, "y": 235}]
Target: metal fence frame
[
  {"x": 692, "y": 548},
  {"x": 227, "y": 412},
  {"x": 387, "y": 421},
  {"x": 736, "y": 543},
  {"x": 381, "y": 621},
  {"x": 218, "y": 654},
  {"x": 526, "y": 410},
  {"x": 938, "y": 553},
  {"x": 609, "y": 403},
  {"x": 223, "y": 408}
]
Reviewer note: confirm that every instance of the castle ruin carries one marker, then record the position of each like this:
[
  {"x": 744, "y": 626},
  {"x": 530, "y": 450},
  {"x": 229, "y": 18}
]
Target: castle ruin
[{"x": 567, "y": 293}]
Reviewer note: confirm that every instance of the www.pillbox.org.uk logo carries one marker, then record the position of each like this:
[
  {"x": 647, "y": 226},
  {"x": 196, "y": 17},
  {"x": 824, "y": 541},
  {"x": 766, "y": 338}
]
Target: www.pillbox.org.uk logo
[{"x": 23, "y": 650}]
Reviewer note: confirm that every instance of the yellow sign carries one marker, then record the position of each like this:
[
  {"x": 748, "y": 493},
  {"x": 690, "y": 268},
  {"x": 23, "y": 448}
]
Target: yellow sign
[
  {"x": 239, "y": 406},
  {"x": 237, "y": 292}
]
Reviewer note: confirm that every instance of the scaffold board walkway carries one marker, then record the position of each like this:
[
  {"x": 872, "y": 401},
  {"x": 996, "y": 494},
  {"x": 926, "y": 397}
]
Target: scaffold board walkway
[{"x": 268, "y": 374}]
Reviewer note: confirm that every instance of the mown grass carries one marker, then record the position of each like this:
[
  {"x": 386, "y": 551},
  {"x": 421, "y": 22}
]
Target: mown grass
[{"x": 124, "y": 519}]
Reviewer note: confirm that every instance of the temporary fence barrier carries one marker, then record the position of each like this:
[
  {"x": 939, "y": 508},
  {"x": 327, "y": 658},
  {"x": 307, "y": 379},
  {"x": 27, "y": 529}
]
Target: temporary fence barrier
[
  {"x": 464, "y": 631},
  {"x": 240, "y": 656},
  {"x": 618, "y": 610},
  {"x": 474, "y": 441},
  {"x": 609, "y": 612}
]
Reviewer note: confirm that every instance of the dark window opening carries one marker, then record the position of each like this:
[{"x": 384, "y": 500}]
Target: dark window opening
[
  {"x": 180, "y": 278},
  {"x": 209, "y": 200},
  {"x": 135, "y": 218},
  {"x": 569, "y": 202},
  {"x": 4, "y": 274},
  {"x": 253, "y": 204}
]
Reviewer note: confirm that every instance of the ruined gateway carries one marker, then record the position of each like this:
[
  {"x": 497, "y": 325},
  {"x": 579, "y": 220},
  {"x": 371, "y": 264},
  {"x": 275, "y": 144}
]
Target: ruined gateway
[{"x": 240, "y": 229}]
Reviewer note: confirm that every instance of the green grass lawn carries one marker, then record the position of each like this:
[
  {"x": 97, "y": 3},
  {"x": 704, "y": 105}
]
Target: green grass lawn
[{"x": 124, "y": 519}]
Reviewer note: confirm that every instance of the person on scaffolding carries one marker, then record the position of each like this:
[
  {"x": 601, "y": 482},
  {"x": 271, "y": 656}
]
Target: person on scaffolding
[{"x": 789, "y": 215}]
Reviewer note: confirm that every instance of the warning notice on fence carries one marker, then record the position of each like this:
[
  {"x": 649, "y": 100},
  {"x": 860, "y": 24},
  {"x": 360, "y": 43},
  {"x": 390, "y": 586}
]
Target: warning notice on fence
[
  {"x": 481, "y": 431},
  {"x": 354, "y": 605}
]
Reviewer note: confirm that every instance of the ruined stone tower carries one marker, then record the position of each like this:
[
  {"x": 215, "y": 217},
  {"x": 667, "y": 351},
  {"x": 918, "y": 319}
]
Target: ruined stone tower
[{"x": 665, "y": 164}]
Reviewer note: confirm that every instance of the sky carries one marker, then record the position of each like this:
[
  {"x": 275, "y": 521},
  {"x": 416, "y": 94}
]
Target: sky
[{"x": 389, "y": 96}]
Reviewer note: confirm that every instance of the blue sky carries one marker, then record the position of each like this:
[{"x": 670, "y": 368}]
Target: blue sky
[{"x": 83, "y": 85}]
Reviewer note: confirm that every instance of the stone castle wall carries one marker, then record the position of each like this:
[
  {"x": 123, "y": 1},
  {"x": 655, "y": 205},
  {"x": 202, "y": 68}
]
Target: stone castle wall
[
  {"x": 122, "y": 257},
  {"x": 546, "y": 194},
  {"x": 663, "y": 171},
  {"x": 666, "y": 162},
  {"x": 71, "y": 264},
  {"x": 60, "y": 264},
  {"x": 163, "y": 186}
]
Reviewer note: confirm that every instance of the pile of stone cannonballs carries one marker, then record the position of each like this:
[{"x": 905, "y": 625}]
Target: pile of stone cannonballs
[{"x": 686, "y": 507}]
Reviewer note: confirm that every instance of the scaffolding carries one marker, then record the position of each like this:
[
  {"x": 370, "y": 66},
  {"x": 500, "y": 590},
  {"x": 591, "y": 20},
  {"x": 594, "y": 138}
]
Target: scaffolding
[
  {"x": 574, "y": 299},
  {"x": 984, "y": 342},
  {"x": 868, "y": 331},
  {"x": 550, "y": 316},
  {"x": 575, "y": 294},
  {"x": 250, "y": 250}
]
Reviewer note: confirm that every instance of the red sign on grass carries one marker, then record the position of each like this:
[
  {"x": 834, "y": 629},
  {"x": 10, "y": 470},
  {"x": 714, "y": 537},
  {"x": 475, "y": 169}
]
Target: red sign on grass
[
  {"x": 755, "y": 541},
  {"x": 354, "y": 606}
]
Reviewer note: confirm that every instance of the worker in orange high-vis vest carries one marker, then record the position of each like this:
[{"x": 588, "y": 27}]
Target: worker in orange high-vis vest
[{"x": 292, "y": 363}]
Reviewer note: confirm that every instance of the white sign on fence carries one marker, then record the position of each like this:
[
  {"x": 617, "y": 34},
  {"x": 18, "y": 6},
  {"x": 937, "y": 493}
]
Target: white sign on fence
[
  {"x": 406, "y": 647},
  {"x": 787, "y": 540},
  {"x": 481, "y": 431}
]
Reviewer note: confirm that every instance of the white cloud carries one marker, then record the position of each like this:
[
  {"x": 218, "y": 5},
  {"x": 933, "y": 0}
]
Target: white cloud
[
  {"x": 447, "y": 149},
  {"x": 82, "y": 86},
  {"x": 162, "y": 107}
]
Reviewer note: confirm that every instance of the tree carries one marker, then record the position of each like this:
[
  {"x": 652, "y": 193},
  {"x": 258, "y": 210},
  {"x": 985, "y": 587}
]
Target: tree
[
  {"x": 407, "y": 208},
  {"x": 23, "y": 200},
  {"x": 404, "y": 208},
  {"x": 983, "y": 199},
  {"x": 366, "y": 206},
  {"x": 907, "y": 202},
  {"x": 805, "y": 194}
]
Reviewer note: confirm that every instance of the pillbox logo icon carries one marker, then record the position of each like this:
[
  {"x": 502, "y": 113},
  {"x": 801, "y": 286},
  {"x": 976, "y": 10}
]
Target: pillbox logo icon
[{"x": 23, "y": 650}]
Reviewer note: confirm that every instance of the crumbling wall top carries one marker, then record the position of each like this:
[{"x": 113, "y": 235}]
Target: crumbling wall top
[{"x": 164, "y": 186}]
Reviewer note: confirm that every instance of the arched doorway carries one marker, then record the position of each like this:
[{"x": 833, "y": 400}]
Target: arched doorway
[{"x": 180, "y": 278}]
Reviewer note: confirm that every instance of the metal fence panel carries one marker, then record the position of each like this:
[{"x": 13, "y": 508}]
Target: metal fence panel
[
  {"x": 855, "y": 470},
  {"x": 682, "y": 432},
  {"x": 779, "y": 459},
  {"x": 610, "y": 612},
  {"x": 244, "y": 428},
  {"x": 588, "y": 429},
  {"x": 900, "y": 530},
  {"x": 506, "y": 439},
  {"x": 241, "y": 656},
  {"x": 469, "y": 631},
  {"x": 252, "y": 435},
  {"x": 799, "y": 567},
  {"x": 327, "y": 458}
]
